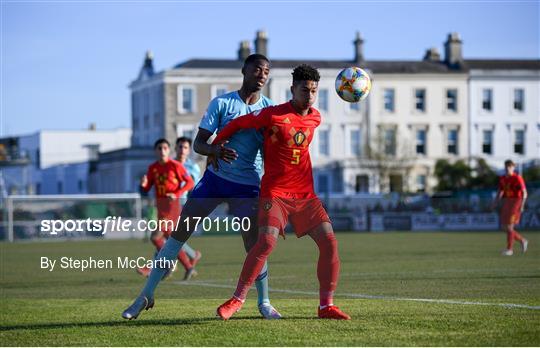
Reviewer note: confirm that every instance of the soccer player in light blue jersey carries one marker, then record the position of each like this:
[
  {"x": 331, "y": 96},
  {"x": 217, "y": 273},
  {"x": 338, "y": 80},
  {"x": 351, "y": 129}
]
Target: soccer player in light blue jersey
[{"x": 234, "y": 178}]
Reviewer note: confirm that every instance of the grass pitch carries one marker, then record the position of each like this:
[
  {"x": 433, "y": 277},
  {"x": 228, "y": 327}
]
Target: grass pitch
[{"x": 387, "y": 285}]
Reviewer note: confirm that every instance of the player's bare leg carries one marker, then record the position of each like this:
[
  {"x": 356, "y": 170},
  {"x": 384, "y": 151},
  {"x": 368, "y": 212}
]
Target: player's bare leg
[
  {"x": 327, "y": 271},
  {"x": 253, "y": 265}
]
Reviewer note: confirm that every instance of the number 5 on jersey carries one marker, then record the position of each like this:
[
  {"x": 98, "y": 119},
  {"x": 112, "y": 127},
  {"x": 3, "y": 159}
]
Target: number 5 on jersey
[{"x": 295, "y": 156}]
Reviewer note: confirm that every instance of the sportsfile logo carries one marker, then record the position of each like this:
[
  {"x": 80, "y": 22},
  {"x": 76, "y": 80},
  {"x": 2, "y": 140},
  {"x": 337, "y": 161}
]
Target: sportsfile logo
[{"x": 120, "y": 224}]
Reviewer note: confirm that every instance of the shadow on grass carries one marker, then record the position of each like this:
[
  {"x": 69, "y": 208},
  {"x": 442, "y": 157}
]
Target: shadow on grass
[{"x": 135, "y": 323}]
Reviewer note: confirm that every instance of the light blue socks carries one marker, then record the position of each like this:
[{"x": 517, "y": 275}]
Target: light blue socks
[
  {"x": 189, "y": 251},
  {"x": 262, "y": 285},
  {"x": 169, "y": 252}
]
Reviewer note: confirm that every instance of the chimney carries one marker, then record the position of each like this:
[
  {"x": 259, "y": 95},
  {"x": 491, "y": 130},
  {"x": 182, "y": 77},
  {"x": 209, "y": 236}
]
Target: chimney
[
  {"x": 452, "y": 50},
  {"x": 261, "y": 43},
  {"x": 432, "y": 55},
  {"x": 358, "y": 49},
  {"x": 148, "y": 66},
  {"x": 244, "y": 51}
]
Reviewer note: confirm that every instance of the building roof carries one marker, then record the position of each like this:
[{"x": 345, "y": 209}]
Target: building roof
[
  {"x": 504, "y": 64},
  {"x": 376, "y": 66}
]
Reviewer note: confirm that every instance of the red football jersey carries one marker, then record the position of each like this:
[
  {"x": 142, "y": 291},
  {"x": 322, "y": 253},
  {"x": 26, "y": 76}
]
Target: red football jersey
[
  {"x": 168, "y": 178},
  {"x": 512, "y": 186},
  {"x": 287, "y": 135}
]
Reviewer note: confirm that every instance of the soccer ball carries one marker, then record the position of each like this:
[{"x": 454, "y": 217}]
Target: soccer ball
[{"x": 353, "y": 84}]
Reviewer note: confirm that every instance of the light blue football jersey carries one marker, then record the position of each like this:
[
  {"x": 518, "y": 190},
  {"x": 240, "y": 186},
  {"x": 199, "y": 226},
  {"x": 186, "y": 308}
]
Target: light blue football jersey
[{"x": 247, "y": 168}]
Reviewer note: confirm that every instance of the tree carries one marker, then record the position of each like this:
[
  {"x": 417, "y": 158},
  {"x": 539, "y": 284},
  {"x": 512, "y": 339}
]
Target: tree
[
  {"x": 452, "y": 177},
  {"x": 484, "y": 176}
]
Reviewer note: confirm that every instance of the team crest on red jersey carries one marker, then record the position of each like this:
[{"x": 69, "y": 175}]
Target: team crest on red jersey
[{"x": 299, "y": 138}]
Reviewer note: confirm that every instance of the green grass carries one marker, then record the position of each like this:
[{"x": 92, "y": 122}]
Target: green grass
[{"x": 83, "y": 308}]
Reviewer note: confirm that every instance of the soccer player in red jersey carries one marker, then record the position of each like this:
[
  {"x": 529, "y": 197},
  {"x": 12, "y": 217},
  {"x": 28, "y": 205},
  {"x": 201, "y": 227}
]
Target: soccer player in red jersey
[
  {"x": 513, "y": 193},
  {"x": 287, "y": 190},
  {"x": 168, "y": 177}
]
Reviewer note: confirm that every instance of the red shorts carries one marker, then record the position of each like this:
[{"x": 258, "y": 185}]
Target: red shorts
[
  {"x": 510, "y": 211},
  {"x": 304, "y": 213}
]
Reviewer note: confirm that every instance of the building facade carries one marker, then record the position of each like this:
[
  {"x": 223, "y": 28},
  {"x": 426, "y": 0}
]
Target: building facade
[{"x": 417, "y": 112}]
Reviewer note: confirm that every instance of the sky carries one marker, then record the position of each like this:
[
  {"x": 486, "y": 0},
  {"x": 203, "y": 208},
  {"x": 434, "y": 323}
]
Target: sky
[{"x": 66, "y": 64}]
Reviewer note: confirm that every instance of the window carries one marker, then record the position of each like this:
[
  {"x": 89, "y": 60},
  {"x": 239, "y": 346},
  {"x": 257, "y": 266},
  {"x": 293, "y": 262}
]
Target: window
[
  {"x": 156, "y": 119},
  {"x": 451, "y": 100},
  {"x": 80, "y": 185},
  {"x": 519, "y": 99},
  {"x": 322, "y": 183},
  {"x": 218, "y": 90},
  {"x": 186, "y": 99},
  {"x": 452, "y": 142},
  {"x": 420, "y": 100},
  {"x": 421, "y": 183},
  {"x": 362, "y": 183},
  {"x": 323, "y": 99},
  {"x": 388, "y": 99},
  {"x": 519, "y": 141},
  {"x": 135, "y": 122},
  {"x": 421, "y": 141},
  {"x": 60, "y": 187},
  {"x": 188, "y": 134},
  {"x": 324, "y": 138},
  {"x": 146, "y": 121},
  {"x": 390, "y": 141},
  {"x": 487, "y": 99},
  {"x": 487, "y": 141},
  {"x": 355, "y": 106},
  {"x": 355, "y": 142},
  {"x": 288, "y": 95}
]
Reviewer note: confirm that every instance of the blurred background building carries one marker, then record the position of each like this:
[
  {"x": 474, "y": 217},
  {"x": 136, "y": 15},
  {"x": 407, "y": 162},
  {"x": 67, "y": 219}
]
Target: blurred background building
[{"x": 439, "y": 107}]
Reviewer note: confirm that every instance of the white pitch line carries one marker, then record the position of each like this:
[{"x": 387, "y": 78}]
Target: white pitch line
[{"x": 371, "y": 297}]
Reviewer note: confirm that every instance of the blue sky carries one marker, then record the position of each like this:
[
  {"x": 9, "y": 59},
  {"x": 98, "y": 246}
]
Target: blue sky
[{"x": 67, "y": 64}]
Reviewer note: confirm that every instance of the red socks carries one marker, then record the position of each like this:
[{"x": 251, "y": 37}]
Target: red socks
[
  {"x": 511, "y": 236},
  {"x": 184, "y": 260},
  {"x": 327, "y": 268},
  {"x": 254, "y": 263}
]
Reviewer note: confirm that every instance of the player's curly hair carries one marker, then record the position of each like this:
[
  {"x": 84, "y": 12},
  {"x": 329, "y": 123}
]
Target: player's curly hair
[{"x": 305, "y": 72}]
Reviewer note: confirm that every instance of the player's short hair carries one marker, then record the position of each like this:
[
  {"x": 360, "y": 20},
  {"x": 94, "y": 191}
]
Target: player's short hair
[
  {"x": 305, "y": 72},
  {"x": 509, "y": 163},
  {"x": 161, "y": 141},
  {"x": 252, "y": 58},
  {"x": 183, "y": 140}
]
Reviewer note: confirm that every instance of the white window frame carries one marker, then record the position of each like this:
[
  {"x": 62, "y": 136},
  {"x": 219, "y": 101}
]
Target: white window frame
[
  {"x": 287, "y": 94},
  {"x": 447, "y": 100},
  {"x": 180, "y": 99},
  {"x": 214, "y": 89},
  {"x": 385, "y": 110},
  {"x": 481, "y": 136},
  {"x": 415, "y": 109},
  {"x": 492, "y": 95},
  {"x": 416, "y": 130},
  {"x": 513, "y": 100},
  {"x": 524, "y": 130},
  {"x": 327, "y": 99},
  {"x": 447, "y": 134},
  {"x": 319, "y": 153},
  {"x": 348, "y": 140}
]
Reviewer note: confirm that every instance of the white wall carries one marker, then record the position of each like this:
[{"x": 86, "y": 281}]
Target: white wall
[{"x": 503, "y": 119}]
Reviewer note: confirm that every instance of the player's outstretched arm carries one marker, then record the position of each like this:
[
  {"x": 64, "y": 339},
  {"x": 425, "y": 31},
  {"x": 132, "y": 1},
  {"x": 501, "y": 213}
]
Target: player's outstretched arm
[{"x": 253, "y": 120}]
